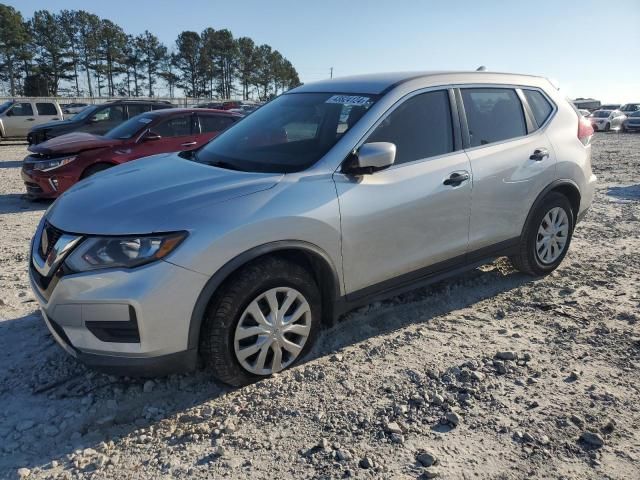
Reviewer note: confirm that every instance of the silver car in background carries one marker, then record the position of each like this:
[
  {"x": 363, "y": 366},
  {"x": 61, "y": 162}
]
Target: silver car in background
[
  {"x": 605, "y": 120},
  {"x": 328, "y": 197}
]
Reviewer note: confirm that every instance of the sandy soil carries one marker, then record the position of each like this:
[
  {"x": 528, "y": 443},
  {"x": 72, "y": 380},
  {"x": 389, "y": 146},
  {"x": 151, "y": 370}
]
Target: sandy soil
[{"x": 490, "y": 375}]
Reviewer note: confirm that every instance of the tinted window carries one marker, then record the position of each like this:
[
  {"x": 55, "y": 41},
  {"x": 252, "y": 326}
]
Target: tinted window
[
  {"x": 288, "y": 134},
  {"x": 46, "y": 109},
  {"x": 539, "y": 105},
  {"x": 174, "y": 127},
  {"x": 493, "y": 114},
  {"x": 22, "y": 110},
  {"x": 129, "y": 128},
  {"x": 420, "y": 127},
  {"x": 601, "y": 114},
  {"x": 137, "y": 109},
  {"x": 214, "y": 123},
  {"x": 114, "y": 113}
]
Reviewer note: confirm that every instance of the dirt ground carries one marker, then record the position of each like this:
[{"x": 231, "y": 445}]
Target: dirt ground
[{"x": 490, "y": 375}]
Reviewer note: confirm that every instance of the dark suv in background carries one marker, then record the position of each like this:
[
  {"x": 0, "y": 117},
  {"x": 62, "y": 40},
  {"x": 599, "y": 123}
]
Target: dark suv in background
[{"x": 96, "y": 119}]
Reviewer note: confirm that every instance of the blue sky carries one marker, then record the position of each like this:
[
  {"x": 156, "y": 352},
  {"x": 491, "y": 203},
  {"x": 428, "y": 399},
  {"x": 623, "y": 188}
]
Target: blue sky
[{"x": 590, "y": 48}]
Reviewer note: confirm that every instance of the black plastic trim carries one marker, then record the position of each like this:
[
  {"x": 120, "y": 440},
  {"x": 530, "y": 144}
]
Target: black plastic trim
[
  {"x": 179, "y": 362},
  {"x": 117, "y": 331},
  {"x": 221, "y": 275},
  {"x": 540, "y": 198},
  {"x": 426, "y": 276},
  {"x": 455, "y": 119},
  {"x": 530, "y": 120},
  {"x": 462, "y": 118}
]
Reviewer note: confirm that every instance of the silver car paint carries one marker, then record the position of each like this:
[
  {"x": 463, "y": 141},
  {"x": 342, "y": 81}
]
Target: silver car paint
[{"x": 370, "y": 229}]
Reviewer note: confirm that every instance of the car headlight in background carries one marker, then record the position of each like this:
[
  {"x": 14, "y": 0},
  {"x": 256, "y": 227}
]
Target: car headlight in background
[
  {"x": 46, "y": 165},
  {"x": 128, "y": 252}
]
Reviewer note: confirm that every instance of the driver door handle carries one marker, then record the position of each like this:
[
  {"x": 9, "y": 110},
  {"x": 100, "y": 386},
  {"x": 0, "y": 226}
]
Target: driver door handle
[
  {"x": 456, "y": 178},
  {"x": 188, "y": 144},
  {"x": 539, "y": 154}
]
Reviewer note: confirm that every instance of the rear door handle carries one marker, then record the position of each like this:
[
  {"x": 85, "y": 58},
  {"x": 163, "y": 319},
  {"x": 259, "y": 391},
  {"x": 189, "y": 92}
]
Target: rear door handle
[
  {"x": 188, "y": 144},
  {"x": 539, "y": 154},
  {"x": 30, "y": 119},
  {"x": 456, "y": 178}
]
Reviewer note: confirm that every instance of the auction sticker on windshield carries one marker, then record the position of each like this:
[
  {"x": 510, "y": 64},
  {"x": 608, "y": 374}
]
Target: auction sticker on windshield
[{"x": 348, "y": 100}]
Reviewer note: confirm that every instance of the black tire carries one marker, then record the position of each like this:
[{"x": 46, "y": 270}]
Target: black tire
[
  {"x": 527, "y": 260},
  {"x": 229, "y": 303},
  {"x": 93, "y": 169},
  {"x": 607, "y": 127}
]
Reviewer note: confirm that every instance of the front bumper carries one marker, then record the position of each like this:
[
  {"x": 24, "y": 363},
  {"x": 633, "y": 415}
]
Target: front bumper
[
  {"x": 49, "y": 184},
  {"x": 126, "y": 321}
]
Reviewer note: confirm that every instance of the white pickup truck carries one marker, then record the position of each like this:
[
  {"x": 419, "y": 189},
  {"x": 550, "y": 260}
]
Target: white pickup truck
[{"x": 19, "y": 116}]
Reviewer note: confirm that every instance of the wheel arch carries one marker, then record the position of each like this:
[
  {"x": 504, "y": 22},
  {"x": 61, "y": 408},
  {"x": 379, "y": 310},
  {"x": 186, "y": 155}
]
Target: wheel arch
[
  {"x": 566, "y": 187},
  {"x": 305, "y": 253},
  {"x": 83, "y": 175}
]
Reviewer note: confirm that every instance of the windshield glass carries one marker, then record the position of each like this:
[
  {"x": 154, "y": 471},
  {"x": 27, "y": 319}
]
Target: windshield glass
[
  {"x": 289, "y": 134},
  {"x": 5, "y": 105},
  {"x": 85, "y": 112},
  {"x": 129, "y": 128},
  {"x": 601, "y": 114},
  {"x": 630, "y": 107}
]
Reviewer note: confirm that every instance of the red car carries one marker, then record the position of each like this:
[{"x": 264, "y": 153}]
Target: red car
[{"x": 57, "y": 164}]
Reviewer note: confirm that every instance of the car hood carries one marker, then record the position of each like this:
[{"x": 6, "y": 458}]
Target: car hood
[
  {"x": 72, "y": 143},
  {"x": 56, "y": 124},
  {"x": 159, "y": 193}
]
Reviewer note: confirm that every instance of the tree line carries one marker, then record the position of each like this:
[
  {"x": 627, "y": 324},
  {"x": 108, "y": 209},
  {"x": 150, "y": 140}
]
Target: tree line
[{"x": 96, "y": 57}]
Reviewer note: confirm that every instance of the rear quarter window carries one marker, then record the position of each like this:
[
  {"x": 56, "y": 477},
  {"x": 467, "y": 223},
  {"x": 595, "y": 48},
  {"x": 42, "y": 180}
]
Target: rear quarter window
[
  {"x": 46, "y": 109},
  {"x": 539, "y": 105}
]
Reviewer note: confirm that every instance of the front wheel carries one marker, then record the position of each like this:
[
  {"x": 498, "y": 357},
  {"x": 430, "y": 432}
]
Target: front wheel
[
  {"x": 607, "y": 127},
  {"x": 264, "y": 319},
  {"x": 546, "y": 238}
]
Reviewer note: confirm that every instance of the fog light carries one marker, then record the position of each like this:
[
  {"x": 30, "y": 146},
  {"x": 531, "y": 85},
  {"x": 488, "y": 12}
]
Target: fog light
[{"x": 53, "y": 181}]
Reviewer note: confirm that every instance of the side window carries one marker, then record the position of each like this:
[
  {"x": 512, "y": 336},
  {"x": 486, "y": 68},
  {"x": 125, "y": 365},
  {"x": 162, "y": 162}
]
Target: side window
[
  {"x": 539, "y": 105},
  {"x": 420, "y": 128},
  {"x": 493, "y": 115},
  {"x": 214, "y": 123},
  {"x": 174, "y": 127},
  {"x": 22, "y": 110},
  {"x": 114, "y": 113},
  {"x": 137, "y": 109},
  {"x": 46, "y": 109}
]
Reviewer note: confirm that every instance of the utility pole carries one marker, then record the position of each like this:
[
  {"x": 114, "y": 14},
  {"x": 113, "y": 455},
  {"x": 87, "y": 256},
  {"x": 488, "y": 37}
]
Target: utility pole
[{"x": 331, "y": 72}]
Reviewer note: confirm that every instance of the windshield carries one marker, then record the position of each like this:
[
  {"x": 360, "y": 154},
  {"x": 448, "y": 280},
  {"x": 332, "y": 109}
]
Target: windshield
[
  {"x": 601, "y": 114},
  {"x": 85, "y": 112},
  {"x": 630, "y": 107},
  {"x": 4, "y": 106},
  {"x": 289, "y": 134},
  {"x": 129, "y": 128}
]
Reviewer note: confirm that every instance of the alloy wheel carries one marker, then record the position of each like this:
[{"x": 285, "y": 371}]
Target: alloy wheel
[
  {"x": 272, "y": 331},
  {"x": 553, "y": 234}
]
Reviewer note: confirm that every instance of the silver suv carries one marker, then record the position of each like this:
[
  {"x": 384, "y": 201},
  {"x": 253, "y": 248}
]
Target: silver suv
[{"x": 331, "y": 195}]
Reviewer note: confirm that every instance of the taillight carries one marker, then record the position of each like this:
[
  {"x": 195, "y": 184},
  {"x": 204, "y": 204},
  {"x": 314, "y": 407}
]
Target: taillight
[{"x": 585, "y": 130}]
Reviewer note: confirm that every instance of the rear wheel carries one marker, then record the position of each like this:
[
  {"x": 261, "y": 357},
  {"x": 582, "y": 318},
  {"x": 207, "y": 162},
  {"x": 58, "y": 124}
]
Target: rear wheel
[
  {"x": 93, "y": 169},
  {"x": 607, "y": 127},
  {"x": 264, "y": 319},
  {"x": 546, "y": 237}
]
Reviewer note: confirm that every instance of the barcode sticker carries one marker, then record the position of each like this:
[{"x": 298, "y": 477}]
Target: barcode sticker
[{"x": 348, "y": 100}]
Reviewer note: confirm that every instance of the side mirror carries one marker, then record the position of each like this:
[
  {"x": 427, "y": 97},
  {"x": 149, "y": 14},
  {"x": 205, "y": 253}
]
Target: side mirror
[
  {"x": 370, "y": 158},
  {"x": 151, "y": 136}
]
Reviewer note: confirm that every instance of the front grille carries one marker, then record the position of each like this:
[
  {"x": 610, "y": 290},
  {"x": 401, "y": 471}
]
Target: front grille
[{"x": 48, "y": 239}]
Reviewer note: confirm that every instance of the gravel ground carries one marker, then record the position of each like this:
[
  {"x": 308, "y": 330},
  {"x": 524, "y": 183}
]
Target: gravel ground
[{"x": 490, "y": 375}]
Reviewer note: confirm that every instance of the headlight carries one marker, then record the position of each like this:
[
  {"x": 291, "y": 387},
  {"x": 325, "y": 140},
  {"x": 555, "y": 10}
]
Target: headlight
[
  {"x": 46, "y": 165},
  {"x": 128, "y": 252}
]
